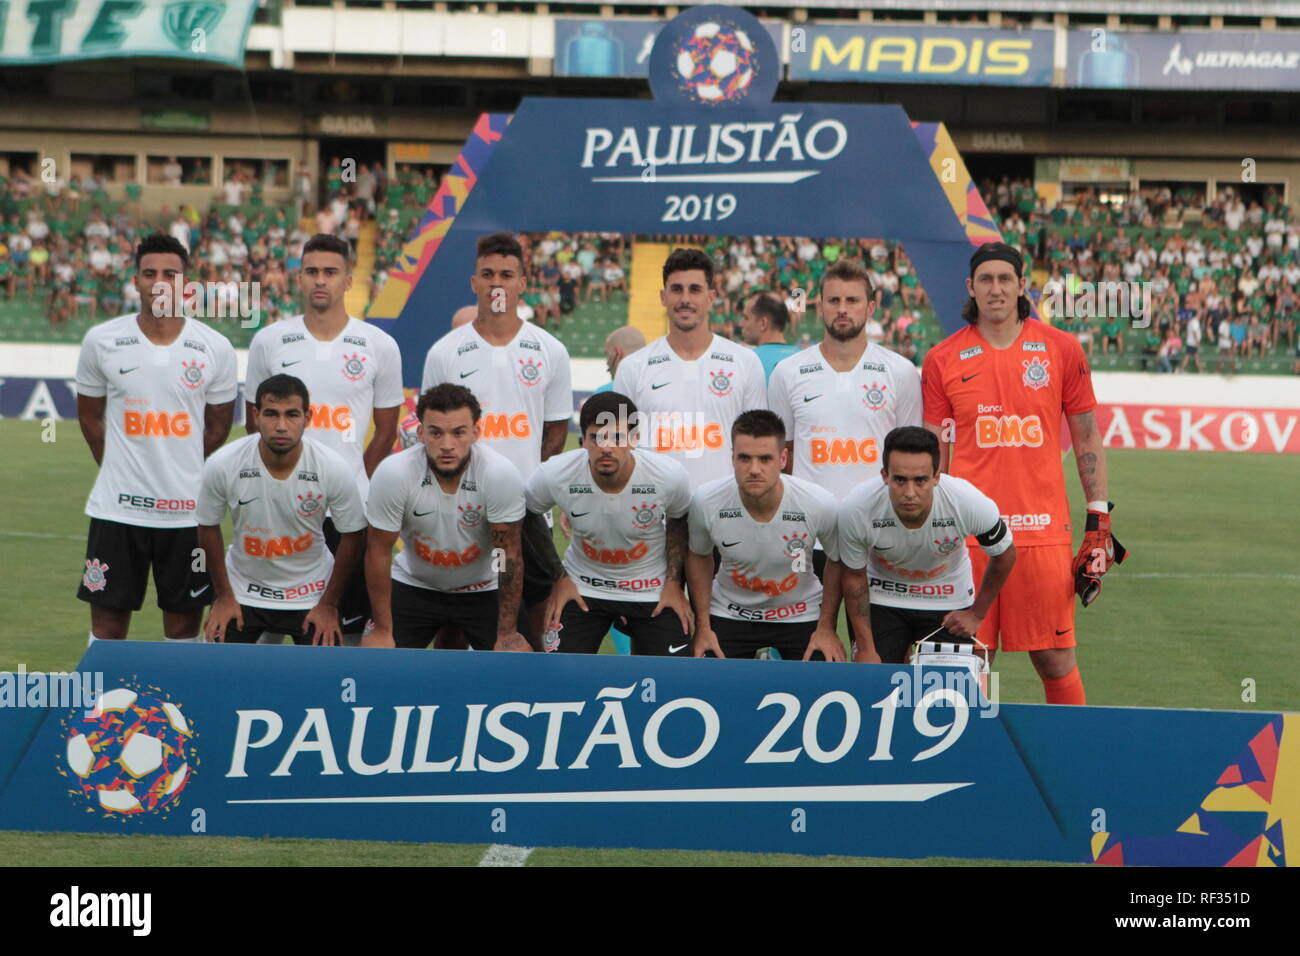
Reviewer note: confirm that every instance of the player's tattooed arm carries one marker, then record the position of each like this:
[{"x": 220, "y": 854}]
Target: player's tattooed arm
[
  {"x": 381, "y": 443},
  {"x": 857, "y": 607},
  {"x": 507, "y": 545},
  {"x": 216, "y": 426},
  {"x": 675, "y": 548},
  {"x": 554, "y": 435},
  {"x": 90, "y": 414},
  {"x": 1089, "y": 456}
]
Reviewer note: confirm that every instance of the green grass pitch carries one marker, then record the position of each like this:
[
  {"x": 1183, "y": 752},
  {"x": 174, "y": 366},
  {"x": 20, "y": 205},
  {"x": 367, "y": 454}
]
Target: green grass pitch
[{"x": 1204, "y": 611}]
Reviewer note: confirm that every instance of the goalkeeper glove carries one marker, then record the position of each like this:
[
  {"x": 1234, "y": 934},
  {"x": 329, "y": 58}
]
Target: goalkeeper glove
[{"x": 1098, "y": 552}]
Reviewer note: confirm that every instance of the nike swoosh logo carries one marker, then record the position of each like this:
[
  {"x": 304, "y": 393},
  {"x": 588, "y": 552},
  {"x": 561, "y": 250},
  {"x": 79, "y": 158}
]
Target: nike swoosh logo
[
  {"x": 351, "y": 620},
  {"x": 287, "y": 364},
  {"x": 730, "y": 544},
  {"x": 809, "y": 398},
  {"x": 467, "y": 374},
  {"x": 890, "y": 548},
  {"x": 421, "y": 514},
  {"x": 243, "y": 501},
  {"x": 674, "y": 650},
  {"x": 123, "y": 371},
  {"x": 660, "y": 385},
  {"x": 579, "y": 514},
  {"x": 1066, "y": 631},
  {"x": 199, "y": 591},
  {"x": 967, "y": 378}
]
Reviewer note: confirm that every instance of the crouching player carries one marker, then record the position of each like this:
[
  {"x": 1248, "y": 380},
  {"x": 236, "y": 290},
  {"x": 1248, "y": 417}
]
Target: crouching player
[
  {"x": 278, "y": 575},
  {"x": 763, "y": 592},
  {"x": 628, "y": 512},
  {"x": 457, "y": 506},
  {"x": 906, "y": 572}
]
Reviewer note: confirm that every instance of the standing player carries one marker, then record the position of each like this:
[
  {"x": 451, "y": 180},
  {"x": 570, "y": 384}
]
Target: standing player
[
  {"x": 155, "y": 396},
  {"x": 628, "y": 513},
  {"x": 764, "y": 593},
  {"x": 353, "y": 371},
  {"x": 762, "y": 326},
  {"x": 278, "y": 575},
  {"x": 906, "y": 572},
  {"x": 996, "y": 391},
  {"x": 691, "y": 384},
  {"x": 457, "y": 506},
  {"x": 520, "y": 374},
  {"x": 840, "y": 398}
]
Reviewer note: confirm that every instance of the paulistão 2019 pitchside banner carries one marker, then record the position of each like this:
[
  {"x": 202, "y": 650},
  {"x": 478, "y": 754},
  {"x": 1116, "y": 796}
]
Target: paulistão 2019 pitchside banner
[
  {"x": 43, "y": 31},
  {"x": 582, "y": 750}
]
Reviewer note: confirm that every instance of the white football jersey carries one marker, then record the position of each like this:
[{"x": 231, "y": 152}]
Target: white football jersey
[
  {"x": 617, "y": 549},
  {"x": 347, "y": 378},
  {"x": 520, "y": 386},
  {"x": 153, "y": 417},
  {"x": 926, "y": 567},
  {"x": 757, "y": 579},
  {"x": 447, "y": 545},
  {"x": 687, "y": 408},
  {"x": 277, "y": 556},
  {"x": 838, "y": 420}
]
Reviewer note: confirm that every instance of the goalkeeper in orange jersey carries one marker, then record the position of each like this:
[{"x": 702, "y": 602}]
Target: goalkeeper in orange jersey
[{"x": 996, "y": 392}]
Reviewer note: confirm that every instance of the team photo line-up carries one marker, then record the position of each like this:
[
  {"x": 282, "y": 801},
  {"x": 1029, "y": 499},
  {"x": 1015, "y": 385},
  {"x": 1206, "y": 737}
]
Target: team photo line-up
[{"x": 723, "y": 499}]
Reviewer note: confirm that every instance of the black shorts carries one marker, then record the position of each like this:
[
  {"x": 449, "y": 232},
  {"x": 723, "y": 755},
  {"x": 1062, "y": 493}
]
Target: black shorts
[
  {"x": 896, "y": 629},
  {"x": 747, "y": 638},
  {"x": 542, "y": 566},
  {"x": 278, "y": 622},
  {"x": 118, "y": 559},
  {"x": 354, "y": 602},
  {"x": 581, "y": 632},
  {"x": 418, "y": 613}
]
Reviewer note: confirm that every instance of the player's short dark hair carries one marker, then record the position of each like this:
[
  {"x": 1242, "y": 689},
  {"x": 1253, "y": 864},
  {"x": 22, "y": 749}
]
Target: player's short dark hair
[
  {"x": 606, "y": 406},
  {"x": 770, "y": 306},
  {"x": 849, "y": 270},
  {"x": 686, "y": 260},
  {"x": 282, "y": 386},
  {"x": 324, "y": 242},
  {"x": 161, "y": 243},
  {"x": 970, "y": 311},
  {"x": 448, "y": 398},
  {"x": 759, "y": 423},
  {"x": 911, "y": 439},
  {"x": 499, "y": 244}
]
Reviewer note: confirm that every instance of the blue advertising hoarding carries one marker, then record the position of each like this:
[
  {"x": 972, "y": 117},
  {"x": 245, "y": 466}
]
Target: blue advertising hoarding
[
  {"x": 594, "y": 46},
  {"x": 1184, "y": 60},
  {"x": 884, "y": 53},
  {"x": 578, "y": 750}
]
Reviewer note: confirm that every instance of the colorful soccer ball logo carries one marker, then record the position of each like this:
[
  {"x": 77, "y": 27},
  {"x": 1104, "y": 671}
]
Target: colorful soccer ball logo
[
  {"x": 128, "y": 755},
  {"x": 717, "y": 62}
]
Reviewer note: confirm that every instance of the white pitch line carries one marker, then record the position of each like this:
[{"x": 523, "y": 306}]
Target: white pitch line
[
  {"x": 41, "y": 534},
  {"x": 1214, "y": 577},
  {"x": 501, "y": 854}
]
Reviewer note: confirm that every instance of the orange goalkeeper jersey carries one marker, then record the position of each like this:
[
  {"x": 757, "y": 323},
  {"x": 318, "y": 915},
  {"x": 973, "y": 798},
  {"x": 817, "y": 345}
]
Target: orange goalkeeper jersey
[{"x": 1004, "y": 410}]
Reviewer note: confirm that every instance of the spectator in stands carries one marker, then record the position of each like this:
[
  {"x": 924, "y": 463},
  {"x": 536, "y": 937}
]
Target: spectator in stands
[
  {"x": 615, "y": 278},
  {"x": 1168, "y": 352},
  {"x": 180, "y": 229},
  {"x": 235, "y": 186},
  {"x": 172, "y": 172}
]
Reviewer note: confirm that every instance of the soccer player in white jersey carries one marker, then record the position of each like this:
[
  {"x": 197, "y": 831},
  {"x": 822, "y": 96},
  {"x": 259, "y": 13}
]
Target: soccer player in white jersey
[
  {"x": 627, "y": 510},
  {"x": 691, "y": 384},
  {"x": 906, "y": 571},
  {"x": 353, "y": 371},
  {"x": 278, "y": 576},
  {"x": 764, "y": 592},
  {"x": 457, "y": 506},
  {"x": 519, "y": 373},
  {"x": 840, "y": 398},
  {"x": 155, "y": 396}
]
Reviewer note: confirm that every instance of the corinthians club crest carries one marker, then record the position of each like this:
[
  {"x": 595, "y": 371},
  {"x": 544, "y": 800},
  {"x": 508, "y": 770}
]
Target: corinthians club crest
[
  {"x": 354, "y": 366},
  {"x": 1036, "y": 376},
  {"x": 309, "y": 504},
  {"x": 643, "y": 516},
  {"x": 947, "y": 545},
  {"x": 530, "y": 371},
  {"x": 720, "y": 382},
  {"x": 192, "y": 374},
  {"x": 874, "y": 396},
  {"x": 795, "y": 544}
]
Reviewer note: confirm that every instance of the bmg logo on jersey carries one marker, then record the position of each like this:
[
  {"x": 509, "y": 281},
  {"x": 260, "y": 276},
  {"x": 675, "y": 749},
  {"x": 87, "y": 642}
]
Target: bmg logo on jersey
[
  {"x": 1008, "y": 431},
  {"x": 843, "y": 451},
  {"x": 156, "y": 424},
  {"x": 502, "y": 425},
  {"x": 331, "y": 417},
  {"x": 530, "y": 371}
]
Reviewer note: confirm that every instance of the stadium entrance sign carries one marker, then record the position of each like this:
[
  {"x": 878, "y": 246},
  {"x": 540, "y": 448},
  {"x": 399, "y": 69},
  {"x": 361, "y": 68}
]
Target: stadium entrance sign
[
  {"x": 571, "y": 750},
  {"x": 45, "y": 32}
]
